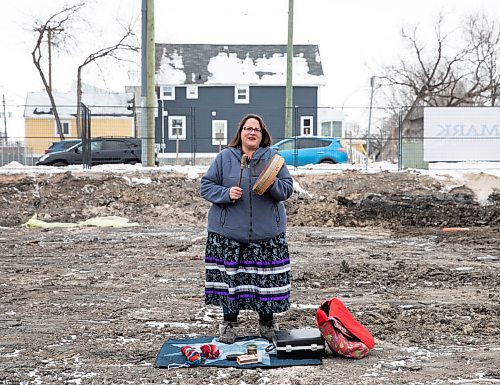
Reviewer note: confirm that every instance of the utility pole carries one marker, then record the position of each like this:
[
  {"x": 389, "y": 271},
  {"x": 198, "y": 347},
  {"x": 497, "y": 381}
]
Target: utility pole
[
  {"x": 148, "y": 94},
  {"x": 4, "y": 121},
  {"x": 289, "y": 74},
  {"x": 49, "y": 30},
  {"x": 151, "y": 94},
  {"x": 372, "y": 85},
  {"x": 144, "y": 84}
]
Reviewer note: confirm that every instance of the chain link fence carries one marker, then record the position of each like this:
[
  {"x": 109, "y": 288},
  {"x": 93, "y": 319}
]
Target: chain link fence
[
  {"x": 16, "y": 152},
  {"x": 193, "y": 136}
]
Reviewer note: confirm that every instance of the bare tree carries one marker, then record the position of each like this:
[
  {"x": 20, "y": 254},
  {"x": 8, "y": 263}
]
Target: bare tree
[
  {"x": 483, "y": 35},
  {"x": 450, "y": 74},
  {"x": 384, "y": 139},
  {"x": 123, "y": 44},
  {"x": 429, "y": 74},
  {"x": 459, "y": 68},
  {"x": 56, "y": 29}
]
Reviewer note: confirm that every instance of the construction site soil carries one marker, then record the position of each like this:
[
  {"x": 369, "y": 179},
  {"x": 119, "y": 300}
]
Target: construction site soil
[{"x": 414, "y": 257}]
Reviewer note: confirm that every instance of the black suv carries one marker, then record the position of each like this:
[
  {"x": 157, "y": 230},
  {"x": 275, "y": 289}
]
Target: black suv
[{"x": 103, "y": 151}]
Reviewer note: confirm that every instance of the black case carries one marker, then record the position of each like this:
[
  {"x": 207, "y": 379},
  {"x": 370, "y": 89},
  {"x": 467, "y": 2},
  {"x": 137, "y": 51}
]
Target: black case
[{"x": 299, "y": 343}]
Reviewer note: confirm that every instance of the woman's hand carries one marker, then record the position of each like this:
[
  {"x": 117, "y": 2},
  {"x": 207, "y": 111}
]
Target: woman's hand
[{"x": 235, "y": 192}]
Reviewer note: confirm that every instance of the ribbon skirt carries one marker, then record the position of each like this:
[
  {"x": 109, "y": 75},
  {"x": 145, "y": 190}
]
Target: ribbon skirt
[{"x": 254, "y": 276}]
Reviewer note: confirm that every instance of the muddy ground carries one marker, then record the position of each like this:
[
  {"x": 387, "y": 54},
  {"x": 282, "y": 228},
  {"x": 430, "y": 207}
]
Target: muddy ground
[{"x": 94, "y": 305}]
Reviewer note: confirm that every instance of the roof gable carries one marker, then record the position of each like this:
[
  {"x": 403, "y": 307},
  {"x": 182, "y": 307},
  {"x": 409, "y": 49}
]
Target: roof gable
[{"x": 236, "y": 64}]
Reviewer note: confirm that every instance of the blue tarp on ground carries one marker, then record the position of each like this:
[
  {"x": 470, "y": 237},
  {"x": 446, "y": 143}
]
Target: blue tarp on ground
[{"x": 170, "y": 354}]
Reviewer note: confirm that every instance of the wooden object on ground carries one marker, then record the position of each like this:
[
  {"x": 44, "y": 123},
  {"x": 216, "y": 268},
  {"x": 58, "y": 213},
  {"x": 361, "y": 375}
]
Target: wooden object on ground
[
  {"x": 249, "y": 359},
  {"x": 454, "y": 229}
]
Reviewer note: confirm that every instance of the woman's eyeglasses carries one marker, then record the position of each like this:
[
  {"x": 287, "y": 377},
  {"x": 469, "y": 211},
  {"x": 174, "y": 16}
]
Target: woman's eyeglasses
[{"x": 254, "y": 129}]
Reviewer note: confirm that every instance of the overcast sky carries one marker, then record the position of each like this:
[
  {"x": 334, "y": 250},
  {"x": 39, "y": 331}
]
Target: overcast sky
[{"x": 355, "y": 37}]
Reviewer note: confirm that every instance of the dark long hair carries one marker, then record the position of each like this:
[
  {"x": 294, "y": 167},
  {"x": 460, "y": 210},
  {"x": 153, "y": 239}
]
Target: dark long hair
[{"x": 266, "y": 138}]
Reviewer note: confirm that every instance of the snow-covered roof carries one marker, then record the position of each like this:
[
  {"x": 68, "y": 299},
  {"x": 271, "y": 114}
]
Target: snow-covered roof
[
  {"x": 100, "y": 103},
  {"x": 212, "y": 64}
]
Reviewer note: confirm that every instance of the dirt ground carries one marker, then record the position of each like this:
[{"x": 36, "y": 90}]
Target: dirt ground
[{"x": 89, "y": 305}]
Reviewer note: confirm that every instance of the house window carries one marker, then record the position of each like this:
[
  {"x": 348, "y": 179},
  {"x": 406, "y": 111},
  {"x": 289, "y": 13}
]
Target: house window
[
  {"x": 66, "y": 128},
  {"x": 219, "y": 132},
  {"x": 306, "y": 125},
  {"x": 332, "y": 129},
  {"x": 192, "y": 92},
  {"x": 176, "y": 127},
  {"x": 242, "y": 94},
  {"x": 167, "y": 92}
]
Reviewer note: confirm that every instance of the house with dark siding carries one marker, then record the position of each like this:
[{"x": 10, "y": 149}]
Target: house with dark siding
[{"x": 205, "y": 89}]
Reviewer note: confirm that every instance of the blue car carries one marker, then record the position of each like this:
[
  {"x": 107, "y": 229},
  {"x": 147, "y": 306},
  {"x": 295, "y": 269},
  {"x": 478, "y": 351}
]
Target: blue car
[{"x": 300, "y": 151}]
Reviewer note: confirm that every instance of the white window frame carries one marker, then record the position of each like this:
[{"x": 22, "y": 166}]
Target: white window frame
[
  {"x": 241, "y": 90},
  {"x": 63, "y": 122},
  {"x": 302, "y": 126},
  {"x": 192, "y": 92},
  {"x": 167, "y": 89},
  {"x": 216, "y": 124},
  {"x": 171, "y": 135},
  {"x": 330, "y": 129}
]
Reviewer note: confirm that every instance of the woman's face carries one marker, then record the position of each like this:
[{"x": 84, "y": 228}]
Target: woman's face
[{"x": 250, "y": 138}]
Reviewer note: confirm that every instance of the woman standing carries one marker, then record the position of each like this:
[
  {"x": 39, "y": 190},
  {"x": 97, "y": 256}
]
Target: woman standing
[{"x": 247, "y": 266}]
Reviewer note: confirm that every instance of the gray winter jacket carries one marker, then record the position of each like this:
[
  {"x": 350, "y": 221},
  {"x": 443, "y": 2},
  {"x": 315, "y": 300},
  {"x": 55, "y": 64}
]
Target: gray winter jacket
[{"x": 253, "y": 217}]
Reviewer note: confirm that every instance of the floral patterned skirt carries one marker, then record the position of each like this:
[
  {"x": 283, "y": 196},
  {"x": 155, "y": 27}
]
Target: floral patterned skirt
[{"x": 254, "y": 276}]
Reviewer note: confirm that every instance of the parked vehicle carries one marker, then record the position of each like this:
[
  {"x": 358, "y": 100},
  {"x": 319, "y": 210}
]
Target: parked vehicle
[
  {"x": 299, "y": 151},
  {"x": 103, "y": 151},
  {"x": 62, "y": 145}
]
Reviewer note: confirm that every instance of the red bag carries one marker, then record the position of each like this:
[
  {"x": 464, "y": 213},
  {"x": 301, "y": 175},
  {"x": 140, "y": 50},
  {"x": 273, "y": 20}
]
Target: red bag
[{"x": 341, "y": 331}]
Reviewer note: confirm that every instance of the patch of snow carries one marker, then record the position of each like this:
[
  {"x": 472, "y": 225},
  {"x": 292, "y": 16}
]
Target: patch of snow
[
  {"x": 479, "y": 380},
  {"x": 141, "y": 180},
  {"x": 303, "y": 306},
  {"x": 37, "y": 378},
  {"x": 193, "y": 174},
  {"x": 122, "y": 340},
  {"x": 180, "y": 325},
  {"x": 15, "y": 353},
  {"x": 14, "y": 164},
  {"x": 302, "y": 193}
]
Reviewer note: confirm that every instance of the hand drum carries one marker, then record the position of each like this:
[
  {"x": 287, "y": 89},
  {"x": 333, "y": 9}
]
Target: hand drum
[{"x": 268, "y": 175}]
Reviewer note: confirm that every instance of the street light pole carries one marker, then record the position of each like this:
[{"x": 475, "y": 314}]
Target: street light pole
[
  {"x": 372, "y": 85},
  {"x": 4, "y": 122}
]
